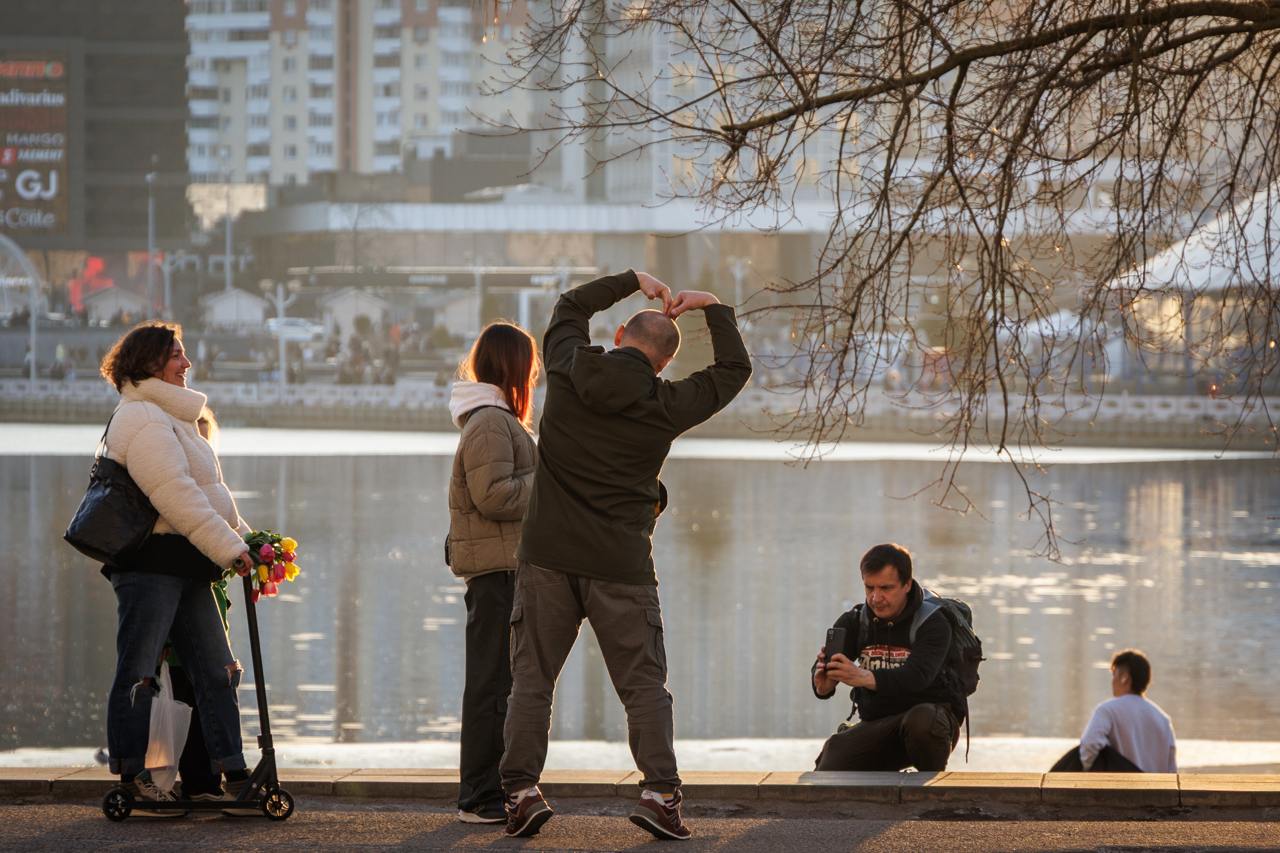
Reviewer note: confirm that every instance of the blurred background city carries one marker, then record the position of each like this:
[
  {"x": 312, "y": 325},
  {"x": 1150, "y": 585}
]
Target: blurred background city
[{"x": 327, "y": 195}]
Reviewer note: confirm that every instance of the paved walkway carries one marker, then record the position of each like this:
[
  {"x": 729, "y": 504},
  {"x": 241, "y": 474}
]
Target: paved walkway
[
  {"x": 332, "y": 824},
  {"x": 1065, "y": 790}
]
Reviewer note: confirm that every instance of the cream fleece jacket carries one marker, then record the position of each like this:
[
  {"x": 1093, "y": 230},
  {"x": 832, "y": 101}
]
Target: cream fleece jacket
[{"x": 154, "y": 435}]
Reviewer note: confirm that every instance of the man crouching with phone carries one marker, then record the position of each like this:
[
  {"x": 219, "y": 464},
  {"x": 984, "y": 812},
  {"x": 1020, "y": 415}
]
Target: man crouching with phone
[{"x": 908, "y": 708}]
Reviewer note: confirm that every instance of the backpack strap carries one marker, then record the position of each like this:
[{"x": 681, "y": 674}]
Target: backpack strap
[{"x": 929, "y": 606}]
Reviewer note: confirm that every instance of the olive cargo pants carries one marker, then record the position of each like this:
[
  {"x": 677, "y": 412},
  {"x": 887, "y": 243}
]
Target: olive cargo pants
[{"x": 627, "y": 619}]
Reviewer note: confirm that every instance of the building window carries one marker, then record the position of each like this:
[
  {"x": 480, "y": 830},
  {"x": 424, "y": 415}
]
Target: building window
[
  {"x": 421, "y": 34},
  {"x": 290, "y": 122},
  {"x": 420, "y": 121},
  {"x": 259, "y": 121},
  {"x": 420, "y": 61},
  {"x": 457, "y": 90},
  {"x": 387, "y": 4},
  {"x": 290, "y": 64},
  {"x": 455, "y": 59},
  {"x": 421, "y": 92},
  {"x": 321, "y": 5},
  {"x": 290, "y": 8},
  {"x": 322, "y": 149},
  {"x": 291, "y": 152},
  {"x": 290, "y": 94},
  {"x": 386, "y": 60},
  {"x": 387, "y": 31},
  {"x": 386, "y": 149},
  {"x": 322, "y": 33},
  {"x": 420, "y": 5},
  {"x": 226, "y": 122},
  {"x": 321, "y": 91},
  {"x": 386, "y": 90},
  {"x": 289, "y": 38},
  {"x": 320, "y": 63},
  {"x": 262, "y": 90},
  {"x": 320, "y": 120},
  {"x": 226, "y": 96}
]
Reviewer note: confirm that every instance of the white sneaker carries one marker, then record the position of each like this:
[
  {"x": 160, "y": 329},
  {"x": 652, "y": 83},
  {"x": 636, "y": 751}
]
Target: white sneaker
[{"x": 145, "y": 791}]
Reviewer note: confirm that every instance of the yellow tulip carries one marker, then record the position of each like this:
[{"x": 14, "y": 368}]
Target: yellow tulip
[
  {"x": 263, "y": 573},
  {"x": 291, "y": 572},
  {"x": 289, "y": 544}
]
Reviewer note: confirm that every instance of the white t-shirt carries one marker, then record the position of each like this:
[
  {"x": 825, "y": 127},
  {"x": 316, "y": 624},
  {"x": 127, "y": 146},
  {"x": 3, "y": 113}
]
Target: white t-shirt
[{"x": 1136, "y": 728}]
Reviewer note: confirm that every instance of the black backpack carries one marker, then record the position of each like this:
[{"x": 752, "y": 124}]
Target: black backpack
[{"x": 963, "y": 656}]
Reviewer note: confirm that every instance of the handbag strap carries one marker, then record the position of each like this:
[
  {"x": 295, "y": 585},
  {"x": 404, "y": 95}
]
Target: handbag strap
[{"x": 101, "y": 449}]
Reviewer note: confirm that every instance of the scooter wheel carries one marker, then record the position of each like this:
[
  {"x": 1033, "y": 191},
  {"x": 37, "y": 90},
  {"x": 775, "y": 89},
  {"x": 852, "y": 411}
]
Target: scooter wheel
[
  {"x": 117, "y": 804},
  {"x": 277, "y": 804}
]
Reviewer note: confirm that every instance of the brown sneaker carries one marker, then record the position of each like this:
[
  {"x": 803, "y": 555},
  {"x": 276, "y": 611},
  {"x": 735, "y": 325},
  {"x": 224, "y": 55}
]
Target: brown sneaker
[
  {"x": 525, "y": 818},
  {"x": 662, "y": 819}
]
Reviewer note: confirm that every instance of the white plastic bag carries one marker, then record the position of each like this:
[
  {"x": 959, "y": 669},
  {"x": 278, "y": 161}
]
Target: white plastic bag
[{"x": 170, "y": 720}]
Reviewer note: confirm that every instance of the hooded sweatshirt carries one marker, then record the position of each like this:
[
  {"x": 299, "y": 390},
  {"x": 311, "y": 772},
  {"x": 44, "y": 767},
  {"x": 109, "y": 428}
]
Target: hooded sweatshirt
[
  {"x": 907, "y": 673},
  {"x": 607, "y": 425}
]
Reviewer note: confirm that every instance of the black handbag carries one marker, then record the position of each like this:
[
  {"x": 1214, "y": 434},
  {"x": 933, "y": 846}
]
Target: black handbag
[{"x": 115, "y": 517}]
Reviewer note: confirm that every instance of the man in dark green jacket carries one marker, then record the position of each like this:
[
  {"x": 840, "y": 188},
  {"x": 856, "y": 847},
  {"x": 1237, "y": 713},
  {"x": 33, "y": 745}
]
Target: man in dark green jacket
[{"x": 586, "y": 549}]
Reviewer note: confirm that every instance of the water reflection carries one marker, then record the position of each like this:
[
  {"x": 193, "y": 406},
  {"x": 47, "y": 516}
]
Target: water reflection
[{"x": 756, "y": 559}]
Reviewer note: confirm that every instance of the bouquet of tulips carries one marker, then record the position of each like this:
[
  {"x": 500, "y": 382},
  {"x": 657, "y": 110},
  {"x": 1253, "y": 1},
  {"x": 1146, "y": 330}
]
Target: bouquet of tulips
[{"x": 275, "y": 559}]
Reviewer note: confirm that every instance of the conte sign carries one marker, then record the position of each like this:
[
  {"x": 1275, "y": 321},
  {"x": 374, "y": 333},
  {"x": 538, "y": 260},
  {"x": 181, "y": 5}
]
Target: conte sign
[{"x": 34, "y": 187}]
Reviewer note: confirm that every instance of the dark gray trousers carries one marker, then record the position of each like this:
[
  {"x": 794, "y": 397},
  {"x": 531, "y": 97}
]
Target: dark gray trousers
[
  {"x": 627, "y": 621},
  {"x": 484, "y": 696},
  {"x": 922, "y": 737}
]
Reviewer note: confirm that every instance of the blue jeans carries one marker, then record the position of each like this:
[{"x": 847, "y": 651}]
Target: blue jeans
[{"x": 150, "y": 609}]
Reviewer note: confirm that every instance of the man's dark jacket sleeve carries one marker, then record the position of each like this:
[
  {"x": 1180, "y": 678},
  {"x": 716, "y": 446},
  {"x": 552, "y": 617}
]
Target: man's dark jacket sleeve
[
  {"x": 570, "y": 326},
  {"x": 699, "y": 396},
  {"x": 928, "y": 654}
]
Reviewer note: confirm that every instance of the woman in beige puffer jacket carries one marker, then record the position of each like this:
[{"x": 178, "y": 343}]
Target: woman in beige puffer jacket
[
  {"x": 492, "y": 403},
  {"x": 163, "y": 589}
]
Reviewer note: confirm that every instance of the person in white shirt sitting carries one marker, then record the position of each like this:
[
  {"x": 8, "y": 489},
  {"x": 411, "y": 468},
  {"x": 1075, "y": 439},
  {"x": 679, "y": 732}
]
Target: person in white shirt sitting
[{"x": 1128, "y": 733}]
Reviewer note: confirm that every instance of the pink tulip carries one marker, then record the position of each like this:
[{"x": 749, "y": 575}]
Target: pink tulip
[
  {"x": 267, "y": 553},
  {"x": 278, "y": 572},
  {"x": 253, "y": 596},
  {"x": 269, "y": 588},
  {"x": 289, "y": 556}
]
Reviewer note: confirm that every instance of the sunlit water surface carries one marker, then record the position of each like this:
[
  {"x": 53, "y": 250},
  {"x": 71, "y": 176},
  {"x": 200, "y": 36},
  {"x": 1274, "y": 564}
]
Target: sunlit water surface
[{"x": 1173, "y": 552}]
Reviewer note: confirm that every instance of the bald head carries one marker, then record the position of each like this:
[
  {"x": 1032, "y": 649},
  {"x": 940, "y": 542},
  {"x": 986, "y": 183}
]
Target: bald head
[{"x": 653, "y": 333}]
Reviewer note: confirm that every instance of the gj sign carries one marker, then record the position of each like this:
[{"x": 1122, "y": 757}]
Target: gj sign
[{"x": 33, "y": 143}]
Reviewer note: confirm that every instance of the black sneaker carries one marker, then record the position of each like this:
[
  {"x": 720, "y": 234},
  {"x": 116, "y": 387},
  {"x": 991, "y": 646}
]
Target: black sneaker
[
  {"x": 661, "y": 819},
  {"x": 145, "y": 791},
  {"x": 526, "y": 817},
  {"x": 491, "y": 812}
]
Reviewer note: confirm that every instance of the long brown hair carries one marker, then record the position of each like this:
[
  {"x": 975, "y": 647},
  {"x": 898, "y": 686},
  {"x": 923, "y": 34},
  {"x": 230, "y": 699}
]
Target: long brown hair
[
  {"x": 140, "y": 354},
  {"x": 505, "y": 355}
]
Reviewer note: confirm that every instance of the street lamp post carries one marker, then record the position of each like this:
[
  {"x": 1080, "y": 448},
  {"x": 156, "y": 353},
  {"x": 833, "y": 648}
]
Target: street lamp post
[
  {"x": 151, "y": 242},
  {"x": 281, "y": 302}
]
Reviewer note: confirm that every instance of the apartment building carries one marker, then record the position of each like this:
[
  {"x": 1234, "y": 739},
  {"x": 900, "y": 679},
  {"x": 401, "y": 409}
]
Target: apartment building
[{"x": 280, "y": 90}]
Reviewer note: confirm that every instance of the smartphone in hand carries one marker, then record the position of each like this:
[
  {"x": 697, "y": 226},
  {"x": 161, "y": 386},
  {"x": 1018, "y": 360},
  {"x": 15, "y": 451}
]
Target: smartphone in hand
[{"x": 835, "y": 643}]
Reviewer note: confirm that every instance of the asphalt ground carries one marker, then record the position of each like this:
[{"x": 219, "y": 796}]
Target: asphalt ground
[{"x": 325, "y": 824}]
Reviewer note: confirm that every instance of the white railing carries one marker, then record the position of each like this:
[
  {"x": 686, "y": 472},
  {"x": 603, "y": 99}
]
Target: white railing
[{"x": 753, "y": 402}]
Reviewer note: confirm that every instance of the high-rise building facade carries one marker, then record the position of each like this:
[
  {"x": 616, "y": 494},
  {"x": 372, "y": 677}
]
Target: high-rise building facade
[{"x": 280, "y": 90}]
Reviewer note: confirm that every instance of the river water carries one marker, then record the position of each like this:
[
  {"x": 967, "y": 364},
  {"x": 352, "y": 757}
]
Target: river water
[{"x": 1176, "y": 553}]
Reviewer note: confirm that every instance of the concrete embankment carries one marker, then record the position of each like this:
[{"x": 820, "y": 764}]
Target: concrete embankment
[
  {"x": 1113, "y": 421},
  {"x": 1066, "y": 790}
]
